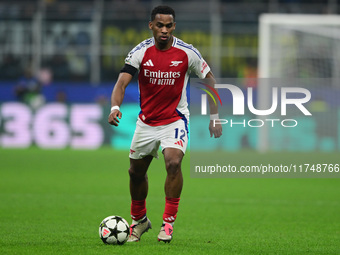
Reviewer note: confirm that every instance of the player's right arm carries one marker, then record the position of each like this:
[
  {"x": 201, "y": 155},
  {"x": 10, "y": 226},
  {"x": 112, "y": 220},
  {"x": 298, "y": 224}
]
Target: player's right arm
[
  {"x": 131, "y": 67},
  {"x": 117, "y": 97}
]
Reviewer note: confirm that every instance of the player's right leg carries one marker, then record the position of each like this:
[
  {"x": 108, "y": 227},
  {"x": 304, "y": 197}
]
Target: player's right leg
[
  {"x": 143, "y": 148},
  {"x": 139, "y": 190}
]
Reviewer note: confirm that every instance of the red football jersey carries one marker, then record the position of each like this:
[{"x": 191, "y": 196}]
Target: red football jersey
[{"x": 163, "y": 78}]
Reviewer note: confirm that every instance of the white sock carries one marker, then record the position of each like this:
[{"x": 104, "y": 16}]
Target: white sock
[{"x": 135, "y": 222}]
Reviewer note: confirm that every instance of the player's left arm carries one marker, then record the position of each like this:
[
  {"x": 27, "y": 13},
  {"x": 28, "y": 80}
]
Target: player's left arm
[
  {"x": 203, "y": 72},
  {"x": 215, "y": 127}
]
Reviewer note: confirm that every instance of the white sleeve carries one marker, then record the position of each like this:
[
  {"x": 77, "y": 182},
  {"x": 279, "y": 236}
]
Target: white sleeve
[
  {"x": 198, "y": 64},
  {"x": 135, "y": 56}
]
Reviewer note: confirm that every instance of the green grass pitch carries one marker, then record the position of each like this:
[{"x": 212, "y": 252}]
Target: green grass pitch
[{"x": 51, "y": 202}]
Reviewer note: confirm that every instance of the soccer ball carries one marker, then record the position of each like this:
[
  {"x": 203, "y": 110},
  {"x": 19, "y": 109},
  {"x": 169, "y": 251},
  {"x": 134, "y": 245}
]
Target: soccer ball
[{"x": 114, "y": 230}]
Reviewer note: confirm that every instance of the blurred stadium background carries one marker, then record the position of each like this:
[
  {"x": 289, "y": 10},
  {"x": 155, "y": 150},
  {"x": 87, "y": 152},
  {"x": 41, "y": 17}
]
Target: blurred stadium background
[{"x": 59, "y": 61}]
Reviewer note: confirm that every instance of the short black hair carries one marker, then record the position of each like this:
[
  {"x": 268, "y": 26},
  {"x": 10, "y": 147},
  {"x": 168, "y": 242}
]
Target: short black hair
[{"x": 162, "y": 9}]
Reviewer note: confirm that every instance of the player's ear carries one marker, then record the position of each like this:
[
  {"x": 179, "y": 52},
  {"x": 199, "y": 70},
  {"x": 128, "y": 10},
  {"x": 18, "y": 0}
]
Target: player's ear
[
  {"x": 174, "y": 25},
  {"x": 150, "y": 25}
]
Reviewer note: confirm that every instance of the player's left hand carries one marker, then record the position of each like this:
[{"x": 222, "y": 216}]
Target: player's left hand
[{"x": 215, "y": 129}]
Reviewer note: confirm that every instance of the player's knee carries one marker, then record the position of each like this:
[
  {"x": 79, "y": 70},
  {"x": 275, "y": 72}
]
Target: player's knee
[
  {"x": 173, "y": 166},
  {"x": 136, "y": 175}
]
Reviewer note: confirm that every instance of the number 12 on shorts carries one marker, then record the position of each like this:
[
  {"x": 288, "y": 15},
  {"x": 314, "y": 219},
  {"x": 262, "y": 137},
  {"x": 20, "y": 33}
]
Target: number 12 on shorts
[{"x": 181, "y": 133}]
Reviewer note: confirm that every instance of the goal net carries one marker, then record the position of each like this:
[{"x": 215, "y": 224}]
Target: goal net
[
  {"x": 303, "y": 47},
  {"x": 299, "y": 46}
]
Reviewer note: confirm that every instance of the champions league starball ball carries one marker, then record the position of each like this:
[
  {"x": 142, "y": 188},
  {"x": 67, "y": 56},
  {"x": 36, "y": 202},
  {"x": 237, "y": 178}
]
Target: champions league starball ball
[{"x": 114, "y": 230}]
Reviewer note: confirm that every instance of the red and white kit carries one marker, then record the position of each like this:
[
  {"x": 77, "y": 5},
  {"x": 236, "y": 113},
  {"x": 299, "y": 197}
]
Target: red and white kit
[{"x": 162, "y": 81}]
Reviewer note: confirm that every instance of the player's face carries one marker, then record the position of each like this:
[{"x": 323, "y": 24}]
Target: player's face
[{"x": 162, "y": 27}]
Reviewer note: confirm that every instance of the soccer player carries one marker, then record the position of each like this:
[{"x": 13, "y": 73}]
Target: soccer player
[{"x": 163, "y": 63}]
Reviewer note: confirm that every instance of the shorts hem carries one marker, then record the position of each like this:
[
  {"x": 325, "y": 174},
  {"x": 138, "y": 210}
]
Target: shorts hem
[
  {"x": 139, "y": 156},
  {"x": 174, "y": 147}
]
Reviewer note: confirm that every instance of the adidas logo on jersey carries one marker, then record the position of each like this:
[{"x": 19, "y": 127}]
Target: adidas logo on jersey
[{"x": 148, "y": 63}]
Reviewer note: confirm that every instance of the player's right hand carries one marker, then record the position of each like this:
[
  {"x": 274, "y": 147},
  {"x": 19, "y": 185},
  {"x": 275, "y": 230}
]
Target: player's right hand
[{"x": 113, "y": 117}]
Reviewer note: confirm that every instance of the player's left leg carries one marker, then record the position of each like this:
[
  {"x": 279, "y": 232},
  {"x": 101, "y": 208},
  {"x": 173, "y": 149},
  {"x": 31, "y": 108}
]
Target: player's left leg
[
  {"x": 174, "y": 179},
  {"x": 173, "y": 188}
]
